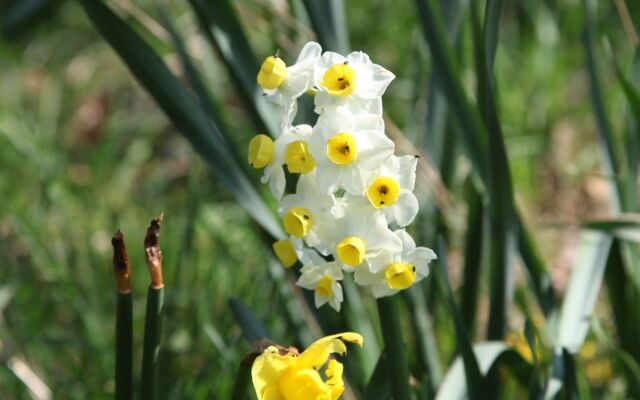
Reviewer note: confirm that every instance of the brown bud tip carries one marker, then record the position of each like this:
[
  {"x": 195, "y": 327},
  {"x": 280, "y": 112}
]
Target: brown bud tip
[
  {"x": 153, "y": 254},
  {"x": 121, "y": 267}
]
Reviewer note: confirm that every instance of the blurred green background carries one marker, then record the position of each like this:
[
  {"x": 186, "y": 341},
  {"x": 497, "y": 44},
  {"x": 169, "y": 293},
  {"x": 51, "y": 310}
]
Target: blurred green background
[{"x": 84, "y": 150}]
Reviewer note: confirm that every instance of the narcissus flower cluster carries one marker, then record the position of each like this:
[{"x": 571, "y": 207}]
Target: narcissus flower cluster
[{"x": 353, "y": 196}]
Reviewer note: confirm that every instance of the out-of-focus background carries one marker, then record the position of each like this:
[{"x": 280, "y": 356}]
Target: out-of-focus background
[{"x": 85, "y": 150}]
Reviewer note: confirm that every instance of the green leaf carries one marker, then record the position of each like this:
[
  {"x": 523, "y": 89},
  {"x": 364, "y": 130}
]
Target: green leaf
[
  {"x": 624, "y": 226},
  {"x": 223, "y": 29},
  {"x": 473, "y": 136},
  {"x": 632, "y": 132},
  {"x": 605, "y": 132},
  {"x": 623, "y": 296},
  {"x": 500, "y": 190},
  {"x": 474, "y": 380},
  {"x": 424, "y": 334},
  {"x": 394, "y": 346},
  {"x": 182, "y": 109},
  {"x": 329, "y": 21},
  {"x": 455, "y": 385},
  {"x": 379, "y": 387},
  {"x": 472, "y": 257},
  {"x": 252, "y": 328},
  {"x": 582, "y": 292}
]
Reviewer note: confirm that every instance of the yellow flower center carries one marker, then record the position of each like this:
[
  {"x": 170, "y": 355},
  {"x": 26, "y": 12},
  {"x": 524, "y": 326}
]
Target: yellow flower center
[
  {"x": 351, "y": 251},
  {"x": 273, "y": 73},
  {"x": 285, "y": 252},
  {"x": 323, "y": 287},
  {"x": 342, "y": 149},
  {"x": 298, "y": 158},
  {"x": 383, "y": 192},
  {"x": 339, "y": 80},
  {"x": 400, "y": 275},
  {"x": 261, "y": 150},
  {"x": 297, "y": 222}
]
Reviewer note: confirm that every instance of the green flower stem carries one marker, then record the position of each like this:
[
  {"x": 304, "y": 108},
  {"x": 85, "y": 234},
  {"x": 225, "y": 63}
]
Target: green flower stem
[
  {"x": 124, "y": 319},
  {"x": 243, "y": 379},
  {"x": 394, "y": 347},
  {"x": 151, "y": 350},
  {"x": 124, "y": 347}
]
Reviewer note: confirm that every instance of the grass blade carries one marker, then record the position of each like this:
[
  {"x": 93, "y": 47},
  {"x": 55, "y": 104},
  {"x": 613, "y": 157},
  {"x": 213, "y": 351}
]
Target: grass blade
[
  {"x": 623, "y": 296},
  {"x": 500, "y": 213},
  {"x": 582, "y": 292},
  {"x": 223, "y": 29},
  {"x": 252, "y": 328},
  {"x": 181, "y": 108},
  {"x": 605, "y": 132},
  {"x": 378, "y": 387},
  {"x": 328, "y": 20},
  {"x": 394, "y": 347},
  {"x": 447, "y": 68},
  {"x": 455, "y": 385},
  {"x": 472, "y": 257},
  {"x": 474, "y": 380},
  {"x": 473, "y": 136}
]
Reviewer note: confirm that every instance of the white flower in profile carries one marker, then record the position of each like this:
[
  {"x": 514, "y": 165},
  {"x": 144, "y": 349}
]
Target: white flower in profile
[
  {"x": 283, "y": 85},
  {"x": 360, "y": 236},
  {"x": 390, "y": 190},
  {"x": 290, "y": 148},
  {"x": 323, "y": 278},
  {"x": 347, "y": 149},
  {"x": 352, "y": 81},
  {"x": 391, "y": 272},
  {"x": 308, "y": 213}
]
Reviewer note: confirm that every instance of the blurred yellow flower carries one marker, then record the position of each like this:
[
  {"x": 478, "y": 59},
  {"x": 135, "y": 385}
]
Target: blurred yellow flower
[{"x": 282, "y": 375}]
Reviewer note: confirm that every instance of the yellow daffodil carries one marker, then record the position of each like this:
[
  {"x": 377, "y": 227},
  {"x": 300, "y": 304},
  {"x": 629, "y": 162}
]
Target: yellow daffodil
[{"x": 281, "y": 375}]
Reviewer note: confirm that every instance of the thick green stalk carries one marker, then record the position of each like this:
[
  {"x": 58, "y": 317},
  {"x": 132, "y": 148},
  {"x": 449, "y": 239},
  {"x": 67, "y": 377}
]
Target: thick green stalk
[
  {"x": 151, "y": 350},
  {"x": 243, "y": 379},
  {"x": 124, "y": 319},
  {"x": 124, "y": 347},
  {"x": 394, "y": 347}
]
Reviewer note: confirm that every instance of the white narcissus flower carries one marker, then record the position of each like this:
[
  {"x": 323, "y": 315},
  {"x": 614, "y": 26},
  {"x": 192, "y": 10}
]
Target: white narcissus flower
[
  {"x": 308, "y": 213},
  {"x": 390, "y": 190},
  {"x": 323, "y": 278},
  {"x": 359, "y": 236},
  {"x": 290, "y": 148},
  {"x": 283, "y": 85},
  {"x": 392, "y": 272},
  {"x": 352, "y": 81},
  {"x": 347, "y": 149}
]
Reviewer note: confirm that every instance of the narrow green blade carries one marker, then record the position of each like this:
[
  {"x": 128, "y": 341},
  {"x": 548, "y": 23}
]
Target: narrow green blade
[
  {"x": 329, "y": 21},
  {"x": 474, "y": 380},
  {"x": 181, "y": 108},
  {"x": 252, "y": 328},
  {"x": 223, "y": 29}
]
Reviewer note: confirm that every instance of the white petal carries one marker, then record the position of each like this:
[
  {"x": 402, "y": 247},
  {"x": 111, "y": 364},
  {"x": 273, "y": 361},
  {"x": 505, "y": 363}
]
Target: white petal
[
  {"x": 277, "y": 181},
  {"x": 407, "y": 171},
  {"x": 310, "y": 52},
  {"x": 382, "y": 290},
  {"x": 374, "y": 82},
  {"x": 404, "y": 210},
  {"x": 321, "y": 300}
]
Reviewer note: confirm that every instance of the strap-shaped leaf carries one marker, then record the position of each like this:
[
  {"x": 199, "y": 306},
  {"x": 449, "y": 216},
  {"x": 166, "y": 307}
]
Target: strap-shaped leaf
[
  {"x": 181, "y": 108},
  {"x": 223, "y": 29}
]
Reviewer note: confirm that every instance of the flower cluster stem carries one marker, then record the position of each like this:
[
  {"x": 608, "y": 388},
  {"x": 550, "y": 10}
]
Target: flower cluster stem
[{"x": 394, "y": 347}]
